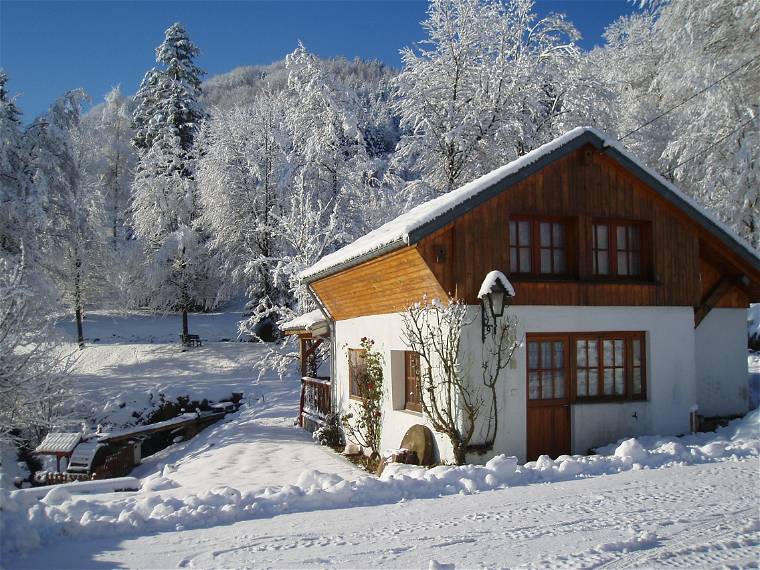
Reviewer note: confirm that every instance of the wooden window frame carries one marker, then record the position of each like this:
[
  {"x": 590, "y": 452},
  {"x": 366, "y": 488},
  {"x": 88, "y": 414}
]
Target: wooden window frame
[
  {"x": 645, "y": 267},
  {"x": 571, "y": 366},
  {"x": 352, "y": 371},
  {"x": 568, "y": 225},
  {"x": 411, "y": 405},
  {"x": 628, "y": 338}
]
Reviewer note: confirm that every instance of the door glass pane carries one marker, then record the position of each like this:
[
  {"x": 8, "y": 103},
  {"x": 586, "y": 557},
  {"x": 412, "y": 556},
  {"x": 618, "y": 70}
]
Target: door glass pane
[
  {"x": 593, "y": 382},
  {"x": 559, "y": 384},
  {"x": 558, "y": 231},
  {"x": 593, "y": 353},
  {"x": 546, "y": 261},
  {"x": 580, "y": 353},
  {"x": 532, "y": 355},
  {"x": 622, "y": 263},
  {"x": 619, "y": 382},
  {"x": 546, "y": 385},
  {"x": 546, "y": 234},
  {"x": 546, "y": 354},
  {"x": 609, "y": 381},
  {"x": 533, "y": 385},
  {"x": 524, "y": 260},
  {"x": 559, "y": 354}
]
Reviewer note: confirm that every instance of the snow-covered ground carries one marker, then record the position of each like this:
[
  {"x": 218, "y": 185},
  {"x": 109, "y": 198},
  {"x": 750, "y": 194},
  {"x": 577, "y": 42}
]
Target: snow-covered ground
[
  {"x": 254, "y": 490},
  {"x": 681, "y": 516}
]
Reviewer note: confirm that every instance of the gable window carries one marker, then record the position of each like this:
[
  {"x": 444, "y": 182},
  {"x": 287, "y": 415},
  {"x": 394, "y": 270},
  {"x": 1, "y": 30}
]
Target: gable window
[
  {"x": 538, "y": 247},
  {"x": 609, "y": 365},
  {"x": 617, "y": 249},
  {"x": 357, "y": 368},
  {"x": 412, "y": 382}
]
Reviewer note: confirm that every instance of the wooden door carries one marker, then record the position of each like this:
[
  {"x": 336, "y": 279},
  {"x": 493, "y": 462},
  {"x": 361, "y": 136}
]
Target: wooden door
[{"x": 548, "y": 384}]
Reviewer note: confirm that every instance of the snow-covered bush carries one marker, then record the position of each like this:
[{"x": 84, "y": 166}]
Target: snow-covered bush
[{"x": 331, "y": 433}]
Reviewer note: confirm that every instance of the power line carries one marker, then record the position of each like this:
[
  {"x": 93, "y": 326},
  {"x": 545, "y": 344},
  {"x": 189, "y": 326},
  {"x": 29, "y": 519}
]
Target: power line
[
  {"x": 697, "y": 94},
  {"x": 716, "y": 143}
]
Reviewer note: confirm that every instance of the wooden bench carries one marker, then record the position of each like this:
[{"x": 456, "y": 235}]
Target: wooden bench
[{"x": 190, "y": 340}]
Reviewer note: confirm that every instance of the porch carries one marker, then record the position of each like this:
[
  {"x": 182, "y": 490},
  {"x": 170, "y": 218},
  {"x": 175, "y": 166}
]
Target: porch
[{"x": 315, "y": 401}]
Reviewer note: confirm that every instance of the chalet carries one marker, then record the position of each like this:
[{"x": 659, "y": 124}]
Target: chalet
[{"x": 631, "y": 299}]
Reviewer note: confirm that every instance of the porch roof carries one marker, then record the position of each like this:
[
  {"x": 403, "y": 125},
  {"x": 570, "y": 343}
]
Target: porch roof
[{"x": 306, "y": 323}]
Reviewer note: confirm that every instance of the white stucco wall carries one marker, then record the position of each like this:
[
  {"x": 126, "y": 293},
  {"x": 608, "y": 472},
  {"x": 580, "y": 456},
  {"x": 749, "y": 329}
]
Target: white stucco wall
[
  {"x": 721, "y": 361},
  {"x": 386, "y": 331},
  {"x": 671, "y": 373}
]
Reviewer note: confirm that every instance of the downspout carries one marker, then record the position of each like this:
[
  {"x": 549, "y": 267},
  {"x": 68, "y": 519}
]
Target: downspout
[{"x": 333, "y": 349}]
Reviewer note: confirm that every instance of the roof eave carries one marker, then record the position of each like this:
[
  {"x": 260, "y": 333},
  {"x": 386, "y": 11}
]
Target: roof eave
[{"x": 354, "y": 261}]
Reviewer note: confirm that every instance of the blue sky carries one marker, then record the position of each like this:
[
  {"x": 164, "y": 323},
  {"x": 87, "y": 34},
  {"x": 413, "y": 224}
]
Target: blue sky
[{"x": 50, "y": 47}]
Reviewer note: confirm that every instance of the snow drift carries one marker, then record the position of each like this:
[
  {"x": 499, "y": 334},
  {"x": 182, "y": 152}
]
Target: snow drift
[{"x": 27, "y": 522}]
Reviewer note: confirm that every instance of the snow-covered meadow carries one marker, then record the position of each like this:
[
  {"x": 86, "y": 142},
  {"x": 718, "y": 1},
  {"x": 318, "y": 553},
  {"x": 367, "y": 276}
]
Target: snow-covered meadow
[{"x": 256, "y": 470}]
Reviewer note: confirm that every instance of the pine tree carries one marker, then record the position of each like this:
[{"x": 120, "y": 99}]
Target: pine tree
[{"x": 165, "y": 206}]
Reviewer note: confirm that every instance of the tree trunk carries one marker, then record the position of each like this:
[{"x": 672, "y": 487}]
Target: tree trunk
[
  {"x": 78, "y": 298},
  {"x": 460, "y": 455},
  {"x": 184, "y": 323},
  {"x": 80, "y": 331}
]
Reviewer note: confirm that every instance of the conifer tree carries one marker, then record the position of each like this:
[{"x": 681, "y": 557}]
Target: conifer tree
[{"x": 165, "y": 208}]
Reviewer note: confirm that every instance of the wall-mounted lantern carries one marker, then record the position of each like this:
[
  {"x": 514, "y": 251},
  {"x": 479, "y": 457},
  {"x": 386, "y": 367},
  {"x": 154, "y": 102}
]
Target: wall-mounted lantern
[{"x": 494, "y": 296}]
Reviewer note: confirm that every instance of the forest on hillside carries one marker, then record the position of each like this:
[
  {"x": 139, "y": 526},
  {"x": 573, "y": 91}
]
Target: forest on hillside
[{"x": 193, "y": 192}]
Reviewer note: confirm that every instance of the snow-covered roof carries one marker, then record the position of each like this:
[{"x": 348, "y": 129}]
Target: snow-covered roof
[
  {"x": 426, "y": 218},
  {"x": 306, "y": 322},
  {"x": 58, "y": 443},
  {"x": 491, "y": 279}
]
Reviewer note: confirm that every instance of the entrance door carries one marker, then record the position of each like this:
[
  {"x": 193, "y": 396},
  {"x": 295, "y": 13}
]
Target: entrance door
[{"x": 548, "y": 423}]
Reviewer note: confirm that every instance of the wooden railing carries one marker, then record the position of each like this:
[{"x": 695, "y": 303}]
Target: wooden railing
[{"x": 315, "y": 401}]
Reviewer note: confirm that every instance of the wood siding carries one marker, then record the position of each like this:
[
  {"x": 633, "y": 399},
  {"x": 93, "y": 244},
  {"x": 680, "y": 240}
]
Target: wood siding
[
  {"x": 580, "y": 187},
  {"x": 383, "y": 285}
]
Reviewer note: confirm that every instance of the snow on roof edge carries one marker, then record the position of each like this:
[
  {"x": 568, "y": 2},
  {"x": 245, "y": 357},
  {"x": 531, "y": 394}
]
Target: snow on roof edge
[
  {"x": 304, "y": 322},
  {"x": 396, "y": 233}
]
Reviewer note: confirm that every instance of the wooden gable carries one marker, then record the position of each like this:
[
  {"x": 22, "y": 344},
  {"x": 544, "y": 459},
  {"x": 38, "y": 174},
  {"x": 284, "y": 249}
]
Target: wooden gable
[
  {"x": 687, "y": 264},
  {"x": 386, "y": 284}
]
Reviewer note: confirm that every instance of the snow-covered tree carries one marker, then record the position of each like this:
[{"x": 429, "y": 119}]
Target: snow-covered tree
[
  {"x": 686, "y": 76},
  {"x": 165, "y": 207},
  {"x": 32, "y": 386},
  {"x": 71, "y": 238},
  {"x": 168, "y": 98},
  {"x": 480, "y": 89},
  {"x": 21, "y": 217},
  {"x": 112, "y": 162},
  {"x": 242, "y": 177}
]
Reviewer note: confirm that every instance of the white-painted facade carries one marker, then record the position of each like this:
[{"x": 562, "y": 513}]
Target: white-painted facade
[
  {"x": 706, "y": 367},
  {"x": 721, "y": 351}
]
